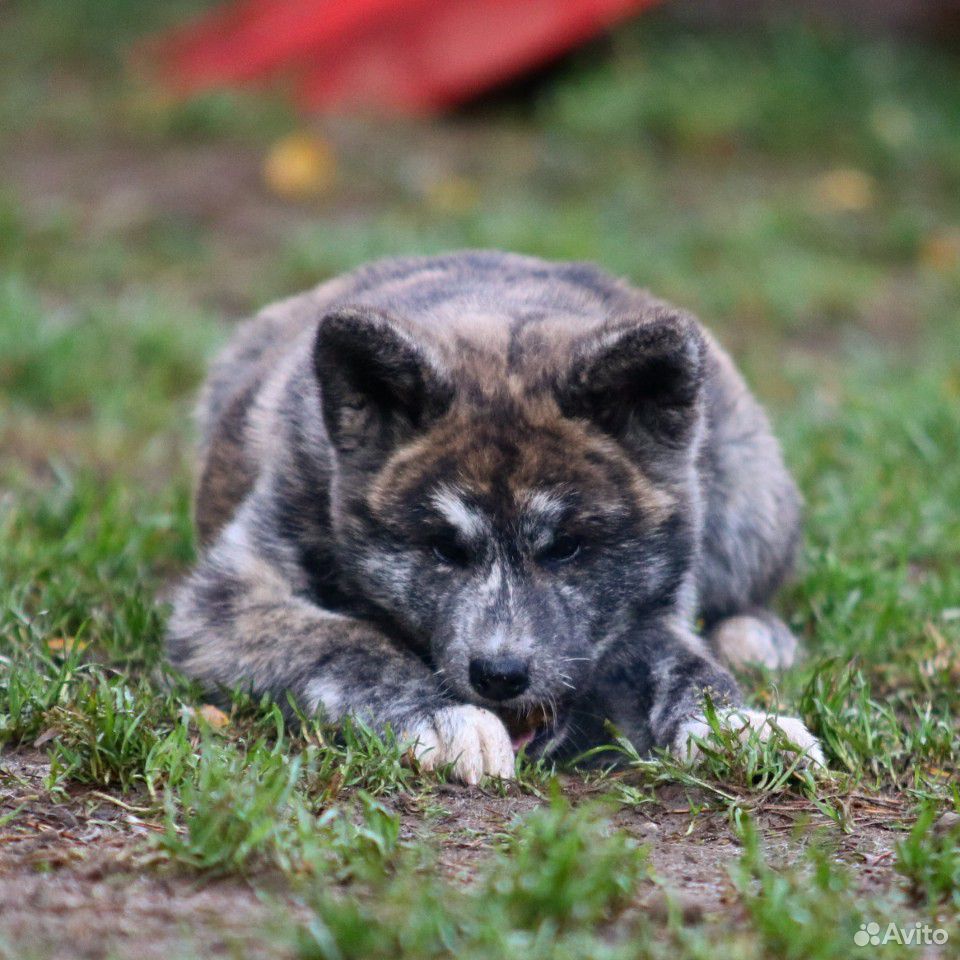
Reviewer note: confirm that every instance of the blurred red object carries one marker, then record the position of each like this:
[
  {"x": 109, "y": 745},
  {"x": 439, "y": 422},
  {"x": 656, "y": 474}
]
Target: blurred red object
[{"x": 397, "y": 56}]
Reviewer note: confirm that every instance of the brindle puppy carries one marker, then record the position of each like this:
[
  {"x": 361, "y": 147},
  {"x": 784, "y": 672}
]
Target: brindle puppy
[{"x": 483, "y": 498}]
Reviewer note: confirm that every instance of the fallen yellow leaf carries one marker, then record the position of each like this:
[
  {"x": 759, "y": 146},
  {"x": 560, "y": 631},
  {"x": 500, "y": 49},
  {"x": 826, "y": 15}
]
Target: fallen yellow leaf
[
  {"x": 66, "y": 644},
  {"x": 300, "y": 165},
  {"x": 844, "y": 190},
  {"x": 940, "y": 251},
  {"x": 212, "y": 715}
]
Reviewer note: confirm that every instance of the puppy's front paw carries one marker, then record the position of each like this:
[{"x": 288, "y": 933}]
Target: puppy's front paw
[
  {"x": 474, "y": 740},
  {"x": 742, "y": 722}
]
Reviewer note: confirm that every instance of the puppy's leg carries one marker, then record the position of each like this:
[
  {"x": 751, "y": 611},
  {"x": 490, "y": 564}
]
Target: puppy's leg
[
  {"x": 684, "y": 673},
  {"x": 754, "y": 637},
  {"x": 743, "y": 721},
  {"x": 238, "y": 622},
  {"x": 653, "y": 689}
]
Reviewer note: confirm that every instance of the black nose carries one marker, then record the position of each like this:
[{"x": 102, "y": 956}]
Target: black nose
[{"x": 499, "y": 678}]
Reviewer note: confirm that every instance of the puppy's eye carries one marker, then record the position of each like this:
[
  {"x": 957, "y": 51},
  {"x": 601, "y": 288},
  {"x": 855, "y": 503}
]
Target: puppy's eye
[
  {"x": 562, "y": 549},
  {"x": 447, "y": 550}
]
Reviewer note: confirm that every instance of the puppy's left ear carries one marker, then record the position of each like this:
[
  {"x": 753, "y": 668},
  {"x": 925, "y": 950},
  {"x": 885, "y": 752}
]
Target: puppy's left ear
[
  {"x": 639, "y": 380},
  {"x": 379, "y": 387}
]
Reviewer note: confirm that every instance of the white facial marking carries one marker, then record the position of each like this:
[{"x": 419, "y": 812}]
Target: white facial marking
[
  {"x": 546, "y": 505},
  {"x": 493, "y": 583},
  {"x": 466, "y": 519},
  {"x": 542, "y": 512}
]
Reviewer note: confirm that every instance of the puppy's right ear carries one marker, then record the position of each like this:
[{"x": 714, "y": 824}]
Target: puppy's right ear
[
  {"x": 640, "y": 379},
  {"x": 378, "y": 386}
]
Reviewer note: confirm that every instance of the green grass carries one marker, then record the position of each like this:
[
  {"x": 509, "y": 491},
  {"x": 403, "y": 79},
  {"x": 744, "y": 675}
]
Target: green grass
[
  {"x": 929, "y": 857},
  {"x": 704, "y": 165},
  {"x": 810, "y": 910},
  {"x": 559, "y": 873},
  {"x": 563, "y": 873}
]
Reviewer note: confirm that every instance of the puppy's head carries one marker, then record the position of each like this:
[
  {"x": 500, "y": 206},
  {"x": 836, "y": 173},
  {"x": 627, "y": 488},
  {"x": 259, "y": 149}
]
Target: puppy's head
[{"x": 514, "y": 521}]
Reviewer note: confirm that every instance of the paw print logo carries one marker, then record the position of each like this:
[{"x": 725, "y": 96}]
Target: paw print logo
[{"x": 868, "y": 933}]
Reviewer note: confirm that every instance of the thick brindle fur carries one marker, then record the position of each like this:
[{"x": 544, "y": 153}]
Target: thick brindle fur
[{"x": 429, "y": 461}]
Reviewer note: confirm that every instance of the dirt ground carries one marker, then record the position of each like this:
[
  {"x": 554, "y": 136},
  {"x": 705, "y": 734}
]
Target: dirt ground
[{"x": 79, "y": 881}]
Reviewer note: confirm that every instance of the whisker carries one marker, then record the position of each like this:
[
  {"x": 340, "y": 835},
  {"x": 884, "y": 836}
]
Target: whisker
[{"x": 574, "y": 729}]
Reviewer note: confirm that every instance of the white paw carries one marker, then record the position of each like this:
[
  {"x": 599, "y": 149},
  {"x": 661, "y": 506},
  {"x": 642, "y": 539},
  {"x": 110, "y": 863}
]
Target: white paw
[
  {"x": 744, "y": 721},
  {"x": 744, "y": 641},
  {"x": 474, "y": 740}
]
